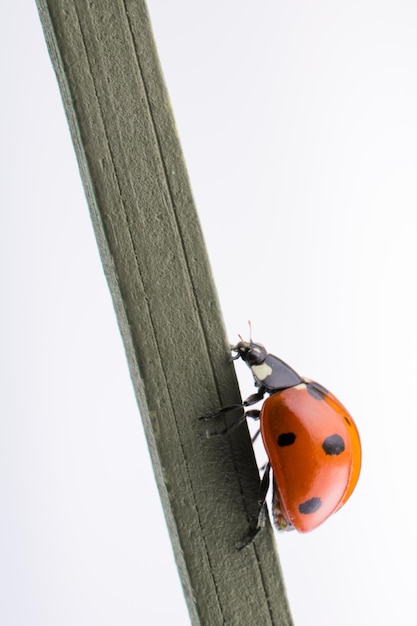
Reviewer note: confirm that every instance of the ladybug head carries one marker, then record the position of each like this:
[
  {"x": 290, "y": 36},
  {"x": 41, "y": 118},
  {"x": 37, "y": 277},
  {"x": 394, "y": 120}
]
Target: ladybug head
[{"x": 250, "y": 352}]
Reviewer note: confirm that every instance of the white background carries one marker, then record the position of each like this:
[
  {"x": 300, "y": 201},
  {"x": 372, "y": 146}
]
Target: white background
[{"x": 299, "y": 126}]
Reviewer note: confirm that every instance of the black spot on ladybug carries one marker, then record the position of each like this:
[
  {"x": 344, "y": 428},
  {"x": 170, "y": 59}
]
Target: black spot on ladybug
[
  {"x": 317, "y": 391},
  {"x": 333, "y": 445},
  {"x": 310, "y": 506},
  {"x": 286, "y": 439}
]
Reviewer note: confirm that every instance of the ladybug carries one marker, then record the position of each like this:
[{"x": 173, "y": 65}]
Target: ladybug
[{"x": 312, "y": 443}]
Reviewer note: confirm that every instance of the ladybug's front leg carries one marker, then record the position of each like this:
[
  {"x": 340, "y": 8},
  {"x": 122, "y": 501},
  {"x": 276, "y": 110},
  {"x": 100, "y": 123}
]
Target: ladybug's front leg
[
  {"x": 222, "y": 411},
  {"x": 255, "y": 397},
  {"x": 254, "y": 414}
]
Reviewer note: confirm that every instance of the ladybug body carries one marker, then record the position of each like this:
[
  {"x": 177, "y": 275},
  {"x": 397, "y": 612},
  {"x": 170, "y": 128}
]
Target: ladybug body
[
  {"x": 314, "y": 451},
  {"x": 312, "y": 443}
]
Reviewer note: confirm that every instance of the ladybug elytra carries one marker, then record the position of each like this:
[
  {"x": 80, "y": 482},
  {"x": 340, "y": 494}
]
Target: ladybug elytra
[{"x": 312, "y": 443}]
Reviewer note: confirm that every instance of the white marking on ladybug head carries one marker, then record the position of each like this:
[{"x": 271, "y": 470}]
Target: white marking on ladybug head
[{"x": 261, "y": 371}]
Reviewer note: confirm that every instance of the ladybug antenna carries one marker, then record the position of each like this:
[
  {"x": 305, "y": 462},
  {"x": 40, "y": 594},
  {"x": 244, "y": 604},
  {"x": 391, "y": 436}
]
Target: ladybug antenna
[{"x": 247, "y": 343}]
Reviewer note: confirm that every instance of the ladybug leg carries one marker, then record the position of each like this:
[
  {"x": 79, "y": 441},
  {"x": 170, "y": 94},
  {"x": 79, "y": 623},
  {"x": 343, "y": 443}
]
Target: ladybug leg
[
  {"x": 255, "y": 397},
  {"x": 256, "y": 435},
  {"x": 254, "y": 414},
  {"x": 260, "y": 520},
  {"x": 226, "y": 429},
  {"x": 222, "y": 411}
]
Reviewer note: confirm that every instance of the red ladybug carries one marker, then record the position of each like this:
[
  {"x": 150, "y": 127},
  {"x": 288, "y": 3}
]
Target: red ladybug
[{"x": 312, "y": 443}]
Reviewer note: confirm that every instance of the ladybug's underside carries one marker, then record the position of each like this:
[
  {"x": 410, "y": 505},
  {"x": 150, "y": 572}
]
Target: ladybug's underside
[{"x": 281, "y": 520}]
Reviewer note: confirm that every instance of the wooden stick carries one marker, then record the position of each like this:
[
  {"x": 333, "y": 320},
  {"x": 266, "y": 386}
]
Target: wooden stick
[{"x": 156, "y": 265}]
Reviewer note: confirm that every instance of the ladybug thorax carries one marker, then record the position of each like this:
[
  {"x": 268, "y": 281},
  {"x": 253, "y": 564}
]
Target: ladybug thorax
[{"x": 270, "y": 372}]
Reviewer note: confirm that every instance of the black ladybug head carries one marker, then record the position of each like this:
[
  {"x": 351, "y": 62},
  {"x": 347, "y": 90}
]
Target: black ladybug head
[{"x": 251, "y": 353}]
